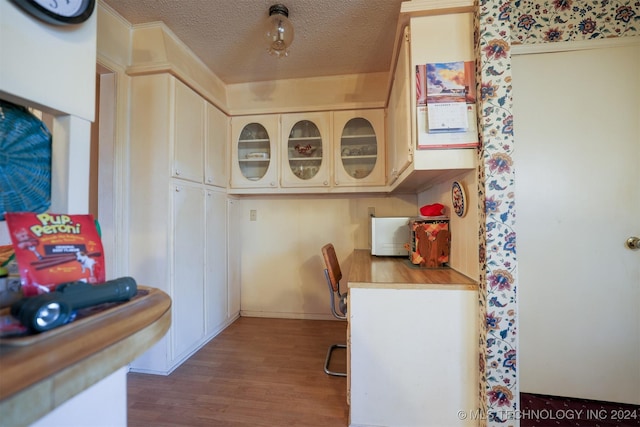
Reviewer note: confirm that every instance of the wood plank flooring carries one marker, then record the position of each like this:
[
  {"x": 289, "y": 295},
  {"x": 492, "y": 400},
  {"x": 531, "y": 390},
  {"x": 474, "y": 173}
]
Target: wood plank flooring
[{"x": 257, "y": 372}]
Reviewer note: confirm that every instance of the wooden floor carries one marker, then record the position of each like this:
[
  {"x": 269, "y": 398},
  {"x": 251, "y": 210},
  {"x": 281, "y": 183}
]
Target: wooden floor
[{"x": 257, "y": 372}]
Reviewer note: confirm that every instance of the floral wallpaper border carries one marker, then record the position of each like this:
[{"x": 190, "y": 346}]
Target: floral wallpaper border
[
  {"x": 568, "y": 20},
  {"x": 498, "y": 26}
]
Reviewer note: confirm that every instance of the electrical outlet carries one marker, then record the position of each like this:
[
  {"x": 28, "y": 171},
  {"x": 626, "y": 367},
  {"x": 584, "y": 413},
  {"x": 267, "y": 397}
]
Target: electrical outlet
[
  {"x": 253, "y": 215},
  {"x": 371, "y": 211}
]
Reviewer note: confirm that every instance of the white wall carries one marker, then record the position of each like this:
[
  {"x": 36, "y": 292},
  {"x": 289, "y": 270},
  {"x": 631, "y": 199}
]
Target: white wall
[
  {"x": 53, "y": 69},
  {"x": 282, "y": 266},
  {"x": 101, "y": 405},
  {"x": 48, "y": 66}
]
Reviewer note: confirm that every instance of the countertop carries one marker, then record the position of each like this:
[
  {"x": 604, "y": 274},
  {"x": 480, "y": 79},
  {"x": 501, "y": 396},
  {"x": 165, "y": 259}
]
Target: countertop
[
  {"x": 38, "y": 375},
  {"x": 370, "y": 271}
]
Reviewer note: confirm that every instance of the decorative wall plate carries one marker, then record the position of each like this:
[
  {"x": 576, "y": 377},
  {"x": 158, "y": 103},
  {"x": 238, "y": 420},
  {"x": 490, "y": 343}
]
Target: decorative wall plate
[{"x": 458, "y": 199}]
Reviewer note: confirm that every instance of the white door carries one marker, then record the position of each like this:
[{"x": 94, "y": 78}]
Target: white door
[{"x": 577, "y": 158}]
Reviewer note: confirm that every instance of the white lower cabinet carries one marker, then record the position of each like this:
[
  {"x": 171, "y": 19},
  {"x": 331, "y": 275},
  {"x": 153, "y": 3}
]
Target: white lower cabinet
[
  {"x": 413, "y": 357},
  {"x": 188, "y": 275},
  {"x": 193, "y": 262},
  {"x": 234, "y": 222},
  {"x": 216, "y": 294}
]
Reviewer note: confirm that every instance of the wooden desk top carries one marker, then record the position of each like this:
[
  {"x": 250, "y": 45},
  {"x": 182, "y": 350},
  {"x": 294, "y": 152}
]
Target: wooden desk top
[
  {"x": 37, "y": 376},
  {"x": 369, "y": 271}
]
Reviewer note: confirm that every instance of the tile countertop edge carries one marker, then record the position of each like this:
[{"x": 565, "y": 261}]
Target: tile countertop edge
[
  {"x": 417, "y": 286},
  {"x": 26, "y": 395}
]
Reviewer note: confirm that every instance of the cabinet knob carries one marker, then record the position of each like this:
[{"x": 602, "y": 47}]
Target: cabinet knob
[
  {"x": 273, "y": 184},
  {"x": 177, "y": 189},
  {"x": 178, "y": 172},
  {"x": 326, "y": 183},
  {"x": 209, "y": 180}
]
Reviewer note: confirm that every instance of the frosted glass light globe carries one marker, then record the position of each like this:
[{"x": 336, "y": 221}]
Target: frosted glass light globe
[{"x": 278, "y": 31}]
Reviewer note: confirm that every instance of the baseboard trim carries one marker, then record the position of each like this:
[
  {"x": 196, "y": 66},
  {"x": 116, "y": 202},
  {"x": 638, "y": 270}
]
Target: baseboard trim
[{"x": 283, "y": 315}]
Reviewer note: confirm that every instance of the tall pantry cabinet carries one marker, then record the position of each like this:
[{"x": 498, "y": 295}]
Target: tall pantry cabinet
[{"x": 178, "y": 214}]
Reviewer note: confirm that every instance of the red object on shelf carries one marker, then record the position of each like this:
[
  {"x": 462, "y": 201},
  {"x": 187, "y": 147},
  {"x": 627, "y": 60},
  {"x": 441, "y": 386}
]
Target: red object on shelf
[{"x": 435, "y": 209}]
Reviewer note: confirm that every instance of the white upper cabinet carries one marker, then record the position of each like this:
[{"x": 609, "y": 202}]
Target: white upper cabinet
[
  {"x": 305, "y": 161},
  {"x": 254, "y": 159},
  {"x": 188, "y": 132},
  {"x": 399, "y": 124},
  {"x": 216, "y": 141},
  {"x": 417, "y": 157},
  {"x": 359, "y": 147},
  {"x": 316, "y": 152}
]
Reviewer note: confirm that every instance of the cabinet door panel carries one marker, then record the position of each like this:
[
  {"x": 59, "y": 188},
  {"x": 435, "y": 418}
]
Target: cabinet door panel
[
  {"x": 216, "y": 260},
  {"x": 359, "y": 147},
  {"x": 406, "y": 360},
  {"x": 217, "y": 134},
  {"x": 188, "y": 143},
  {"x": 399, "y": 125},
  {"x": 233, "y": 257},
  {"x": 188, "y": 274},
  {"x": 254, "y": 157},
  {"x": 306, "y": 150}
]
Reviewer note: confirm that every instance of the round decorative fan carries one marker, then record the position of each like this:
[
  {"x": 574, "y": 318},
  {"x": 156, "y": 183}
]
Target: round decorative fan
[{"x": 25, "y": 161}]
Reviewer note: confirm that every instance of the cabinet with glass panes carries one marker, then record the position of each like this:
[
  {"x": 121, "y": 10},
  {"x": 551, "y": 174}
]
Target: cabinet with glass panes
[
  {"x": 305, "y": 161},
  {"x": 254, "y": 154},
  {"x": 319, "y": 151},
  {"x": 359, "y": 147}
]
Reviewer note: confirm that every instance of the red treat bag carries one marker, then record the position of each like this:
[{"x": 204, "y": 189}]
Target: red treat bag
[{"x": 55, "y": 248}]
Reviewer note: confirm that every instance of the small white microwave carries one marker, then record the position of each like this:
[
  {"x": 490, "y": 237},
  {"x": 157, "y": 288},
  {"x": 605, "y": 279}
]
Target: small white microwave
[{"x": 390, "y": 236}]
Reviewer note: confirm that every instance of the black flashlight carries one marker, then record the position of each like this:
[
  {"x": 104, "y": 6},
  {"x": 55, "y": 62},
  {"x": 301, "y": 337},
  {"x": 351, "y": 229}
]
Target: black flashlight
[{"x": 47, "y": 311}]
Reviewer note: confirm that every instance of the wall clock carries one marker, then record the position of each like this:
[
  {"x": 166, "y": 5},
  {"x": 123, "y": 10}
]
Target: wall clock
[{"x": 58, "y": 12}]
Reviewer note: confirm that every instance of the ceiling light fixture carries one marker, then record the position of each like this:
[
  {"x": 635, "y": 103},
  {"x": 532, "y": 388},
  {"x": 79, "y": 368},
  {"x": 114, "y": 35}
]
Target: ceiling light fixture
[{"x": 279, "y": 31}]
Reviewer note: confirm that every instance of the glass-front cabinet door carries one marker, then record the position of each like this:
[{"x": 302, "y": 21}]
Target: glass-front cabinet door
[
  {"x": 359, "y": 147},
  {"x": 305, "y": 156},
  {"x": 254, "y": 156}
]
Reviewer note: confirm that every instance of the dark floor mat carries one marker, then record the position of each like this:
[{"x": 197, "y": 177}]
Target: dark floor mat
[{"x": 538, "y": 410}]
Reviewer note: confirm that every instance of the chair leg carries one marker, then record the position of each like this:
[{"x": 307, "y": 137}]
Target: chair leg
[{"x": 328, "y": 360}]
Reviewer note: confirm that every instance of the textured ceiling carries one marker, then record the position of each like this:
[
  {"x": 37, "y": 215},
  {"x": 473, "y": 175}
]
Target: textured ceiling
[{"x": 331, "y": 37}]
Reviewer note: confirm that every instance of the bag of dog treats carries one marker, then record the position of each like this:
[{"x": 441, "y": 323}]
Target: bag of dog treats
[{"x": 55, "y": 248}]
